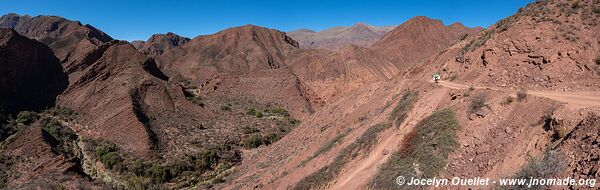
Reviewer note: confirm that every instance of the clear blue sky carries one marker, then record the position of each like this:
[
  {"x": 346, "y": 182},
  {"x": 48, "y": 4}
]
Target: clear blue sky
[{"x": 138, "y": 19}]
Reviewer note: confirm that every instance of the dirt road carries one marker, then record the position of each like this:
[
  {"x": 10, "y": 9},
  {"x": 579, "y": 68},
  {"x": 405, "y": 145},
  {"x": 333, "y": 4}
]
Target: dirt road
[{"x": 586, "y": 99}]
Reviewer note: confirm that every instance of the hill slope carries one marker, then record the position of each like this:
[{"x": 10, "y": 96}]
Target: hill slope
[
  {"x": 338, "y": 37},
  {"x": 418, "y": 38}
]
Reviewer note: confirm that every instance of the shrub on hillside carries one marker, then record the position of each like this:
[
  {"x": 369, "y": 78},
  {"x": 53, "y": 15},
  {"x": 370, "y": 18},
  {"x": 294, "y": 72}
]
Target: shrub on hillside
[
  {"x": 108, "y": 155},
  {"x": 477, "y": 102},
  {"x": 403, "y": 107},
  {"x": 252, "y": 141},
  {"x": 426, "y": 153},
  {"x": 26, "y": 117},
  {"x": 199, "y": 101},
  {"x": 552, "y": 164}
]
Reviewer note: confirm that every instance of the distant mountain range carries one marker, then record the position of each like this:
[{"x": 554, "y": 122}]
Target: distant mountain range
[{"x": 334, "y": 38}]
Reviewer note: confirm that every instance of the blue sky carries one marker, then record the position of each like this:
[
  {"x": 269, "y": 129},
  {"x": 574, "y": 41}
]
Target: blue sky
[{"x": 138, "y": 19}]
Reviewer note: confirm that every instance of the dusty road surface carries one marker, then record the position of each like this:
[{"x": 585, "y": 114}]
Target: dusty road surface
[{"x": 586, "y": 99}]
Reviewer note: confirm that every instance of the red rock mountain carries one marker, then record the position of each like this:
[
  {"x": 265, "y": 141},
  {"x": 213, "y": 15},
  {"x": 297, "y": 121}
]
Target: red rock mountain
[
  {"x": 335, "y": 38},
  {"x": 548, "y": 45},
  {"x": 30, "y": 75},
  {"x": 419, "y": 38},
  {"x": 66, "y": 38},
  {"x": 236, "y": 50},
  {"x": 157, "y": 44}
]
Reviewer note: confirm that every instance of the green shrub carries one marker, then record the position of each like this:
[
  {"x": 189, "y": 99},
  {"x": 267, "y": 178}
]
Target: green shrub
[
  {"x": 253, "y": 141},
  {"x": 108, "y": 155},
  {"x": 65, "y": 112},
  {"x": 111, "y": 160},
  {"x": 477, "y": 103},
  {"x": 280, "y": 111},
  {"x": 158, "y": 174},
  {"x": 196, "y": 100},
  {"x": 254, "y": 112},
  {"x": 59, "y": 132},
  {"x": 293, "y": 121},
  {"x": 427, "y": 151},
  {"x": 26, "y": 118},
  {"x": 330, "y": 144},
  {"x": 403, "y": 107},
  {"x": 67, "y": 138},
  {"x": 208, "y": 158},
  {"x": 271, "y": 138}
]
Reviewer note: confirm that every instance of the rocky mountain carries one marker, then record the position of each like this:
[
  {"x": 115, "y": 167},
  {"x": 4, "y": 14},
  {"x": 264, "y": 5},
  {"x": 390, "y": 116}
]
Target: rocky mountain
[
  {"x": 157, "y": 44},
  {"x": 515, "y": 100},
  {"x": 418, "y": 38},
  {"x": 31, "y": 76},
  {"x": 248, "y": 108},
  {"x": 547, "y": 45},
  {"x": 66, "y": 38},
  {"x": 335, "y": 38}
]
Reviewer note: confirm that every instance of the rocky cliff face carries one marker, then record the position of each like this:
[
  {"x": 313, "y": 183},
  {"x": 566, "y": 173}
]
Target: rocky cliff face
[{"x": 30, "y": 75}]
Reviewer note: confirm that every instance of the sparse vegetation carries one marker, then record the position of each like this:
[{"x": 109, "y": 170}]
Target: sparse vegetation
[
  {"x": 6, "y": 170},
  {"x": 108, "y": 155},
  {"x": 552, "y": 163},
  {"x": 428, "y": 148},
  {"x": 403, "y": 107},
  {"x": 26, "y": 117},
  {"x": 327, "y": 173},
  {"x": 66, "y": 138},
  {"x": 477, "y": 103},
  {"x": 254, "y": 112},
  {"x": 329, "y": 145},
  {"x": 274, "y": 113},
  {"x": 199, "y": 101},
  {"x": 255, "y": 140},
  {"x": 363, "y": 144},
  {"x": 509, "y": 100},
  {"x": 521, "y": 94}
]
